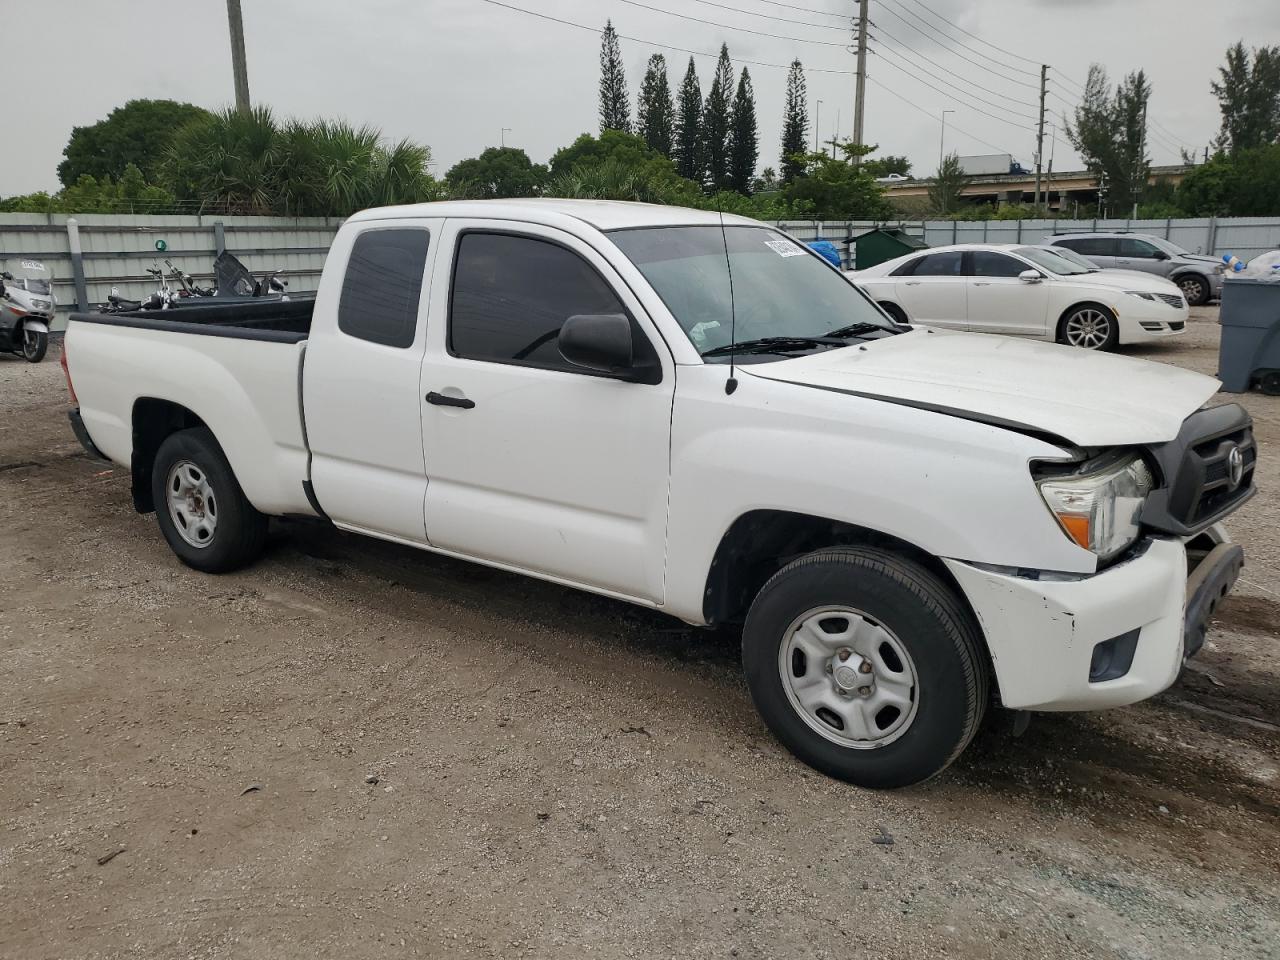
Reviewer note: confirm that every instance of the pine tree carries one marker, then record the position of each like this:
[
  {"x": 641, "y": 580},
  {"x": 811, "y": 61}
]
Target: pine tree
[
  {"x": 795, "y": 124},
  {"x": 744, "y": 144},
  {"x": 688, "y": 143},
  {"x": 1249, "y": 98},
  {"x": 715, "y": 124},
  {"x": 615, "y": 106},
  {"x": 655, "y": 112}
]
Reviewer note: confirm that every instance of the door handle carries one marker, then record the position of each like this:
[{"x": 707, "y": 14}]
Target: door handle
[
  {"x": 440, "y": 400},
  {"x": 982, "y": 283},
  {"x": 913, "y": 283}
]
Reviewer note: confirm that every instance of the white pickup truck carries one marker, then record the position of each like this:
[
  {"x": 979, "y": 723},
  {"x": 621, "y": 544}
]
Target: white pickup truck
[{"x": 701, "y": 416}]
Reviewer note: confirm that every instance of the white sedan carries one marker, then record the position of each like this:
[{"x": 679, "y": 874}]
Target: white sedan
[{"x": 1024, "y": 291}]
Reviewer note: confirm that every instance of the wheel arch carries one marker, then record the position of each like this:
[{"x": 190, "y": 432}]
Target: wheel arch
[
  {"x": 154, "y": 420},
  {"x": 894, "y": 309},
  {"x": 1076, "y": 305}
]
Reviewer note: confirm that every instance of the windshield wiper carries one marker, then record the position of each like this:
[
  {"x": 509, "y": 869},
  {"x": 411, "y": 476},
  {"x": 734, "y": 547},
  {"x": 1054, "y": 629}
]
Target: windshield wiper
[
  {"x": 768, "y": 344},
  {"x": 856, "y": 329}
]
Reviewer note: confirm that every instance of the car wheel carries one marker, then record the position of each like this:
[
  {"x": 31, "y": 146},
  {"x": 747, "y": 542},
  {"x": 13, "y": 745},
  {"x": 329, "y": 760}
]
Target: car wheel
[
  {"x": 896, "y": 312},
  {"x": 865, "y": 666},
  {"x": 202, "y": 512},
  {"x": 1269, "y": 383},
  {"x": 1195, "y": 288},
  {"x": 34, "y": 345},
  {"x": 1090, "y": 326}
]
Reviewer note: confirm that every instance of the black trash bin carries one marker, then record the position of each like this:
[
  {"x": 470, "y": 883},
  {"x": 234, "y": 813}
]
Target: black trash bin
[{"x": 1249, "y": 350}]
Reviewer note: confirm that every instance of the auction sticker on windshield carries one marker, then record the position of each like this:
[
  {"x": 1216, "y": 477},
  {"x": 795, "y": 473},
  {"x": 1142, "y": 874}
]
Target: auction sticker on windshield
[{"x": 784, "y": 248}]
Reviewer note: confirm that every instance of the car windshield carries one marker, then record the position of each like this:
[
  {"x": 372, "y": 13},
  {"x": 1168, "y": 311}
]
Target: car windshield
[
  {"x": 1168, "y": 246},
  {"x": 780, "y": 289},
  {"x": 1052, "y": 262},
  {"x": 1071, "y": 257}
]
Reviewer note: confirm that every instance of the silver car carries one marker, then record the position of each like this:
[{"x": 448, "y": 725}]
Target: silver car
[{"x": 1200, "y": 277}]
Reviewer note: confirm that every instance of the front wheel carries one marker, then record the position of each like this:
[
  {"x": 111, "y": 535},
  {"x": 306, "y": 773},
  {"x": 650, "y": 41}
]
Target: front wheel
[
  {"x": 202, "y": 512},
  {"x": 1195, "y": 288},
  {"x": 34, "y": 345},
  {"x": 1090, "y": 326},
  {"x": 866, "y": 666}
]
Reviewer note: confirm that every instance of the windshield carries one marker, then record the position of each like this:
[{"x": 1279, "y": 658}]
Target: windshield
[
  {"x": 1071, "y": 257},
  {"x": 780, "y": 289},
  {"x": 1052, "y": 262},
  {"x": 30, "y": 275},
  {"x": 1168, "y": 246}
]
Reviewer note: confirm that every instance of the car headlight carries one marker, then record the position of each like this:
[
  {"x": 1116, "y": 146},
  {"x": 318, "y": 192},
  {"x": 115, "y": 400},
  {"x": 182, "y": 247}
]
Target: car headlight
[
  {"x": 1141, "y": 293},
  {"x": 1219, "y": 269},
  {"x": 1099, "y": 504}
]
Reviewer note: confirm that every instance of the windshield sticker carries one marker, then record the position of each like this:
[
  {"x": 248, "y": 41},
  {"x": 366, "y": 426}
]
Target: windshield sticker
[
  {"x": 32, "y": 265},
  {"x": 784, "y": 248}
]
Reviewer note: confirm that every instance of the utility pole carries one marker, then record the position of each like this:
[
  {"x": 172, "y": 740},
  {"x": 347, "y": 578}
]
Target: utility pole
[
  {"x": 817, "y": 125},
  {"x": 239, "y": 67},
  {"x": 860, "y": 94},
  {"x": 1044, "y": 77},
  {"x": 942, "y": 140}
]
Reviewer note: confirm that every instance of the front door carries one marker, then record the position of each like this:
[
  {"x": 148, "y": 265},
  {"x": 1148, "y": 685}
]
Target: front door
[
  {"x": 1001, "y": 303},
  {"x": 935, "y": 292},
  {"x": 533, "y": 462},
  {"x": 1134, "y": 253}
]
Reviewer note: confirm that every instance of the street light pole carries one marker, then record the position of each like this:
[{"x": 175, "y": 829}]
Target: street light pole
[
  {"x": 817, "y": 125},
  {"x": 943, "y": 139},
  {"x": 502, "y": 137}
]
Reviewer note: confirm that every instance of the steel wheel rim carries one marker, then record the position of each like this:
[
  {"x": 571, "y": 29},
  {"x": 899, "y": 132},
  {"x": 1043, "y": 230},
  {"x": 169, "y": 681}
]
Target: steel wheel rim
[
  {"x": 848, "y": 677},
  {"x": 1088, "y": 328},
  {"x": 30, "y": 342},
  {"x": 193, "y": 505},
  {"x": 1191, "y": 289}
]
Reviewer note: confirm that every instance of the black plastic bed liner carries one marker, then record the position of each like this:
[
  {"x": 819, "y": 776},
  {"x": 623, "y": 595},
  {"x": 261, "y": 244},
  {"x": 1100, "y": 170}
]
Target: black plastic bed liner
[{"x": 275, "y": 321}]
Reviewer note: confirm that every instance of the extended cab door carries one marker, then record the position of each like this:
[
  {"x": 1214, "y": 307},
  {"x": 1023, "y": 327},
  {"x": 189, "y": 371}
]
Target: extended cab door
[
  {"x": 934, "y": 291},
  {"x": 1001, "y": 303},
  {"x": 532, "y": 461},
  {"x": 361, "y": 404}
]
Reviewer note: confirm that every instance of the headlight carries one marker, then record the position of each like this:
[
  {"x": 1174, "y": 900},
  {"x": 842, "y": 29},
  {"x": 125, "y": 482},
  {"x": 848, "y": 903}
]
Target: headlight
[
  {"x": 1219, "y": 269},
  {"x": 1141, "y": 293},
  {"x": 1098, "y": 507}
]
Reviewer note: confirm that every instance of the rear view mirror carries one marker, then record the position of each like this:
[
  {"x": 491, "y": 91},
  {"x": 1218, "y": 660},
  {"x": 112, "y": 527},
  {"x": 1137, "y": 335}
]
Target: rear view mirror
[
  {"x": 1030, "y": 276},
  {"x": 598, "y": 341}
]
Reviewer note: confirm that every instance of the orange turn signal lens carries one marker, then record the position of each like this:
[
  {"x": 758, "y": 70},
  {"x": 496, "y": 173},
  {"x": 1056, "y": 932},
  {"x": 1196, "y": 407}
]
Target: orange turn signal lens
[{"x": 1077, "y": 528}]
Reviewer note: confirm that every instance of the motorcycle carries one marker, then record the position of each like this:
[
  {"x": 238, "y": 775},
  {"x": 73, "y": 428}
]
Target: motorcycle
[{"x": 26, "y": 309}]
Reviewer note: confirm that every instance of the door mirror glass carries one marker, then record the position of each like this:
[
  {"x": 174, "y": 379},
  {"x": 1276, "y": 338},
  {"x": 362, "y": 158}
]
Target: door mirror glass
[
  {"x": 598, "y": 341},
  {"x": 1030, "y": 276}
]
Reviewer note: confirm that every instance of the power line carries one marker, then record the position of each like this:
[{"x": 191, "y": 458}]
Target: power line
[
  {"x": 766, "y": 16},
  {"x": 932, "y": 116},
  {"x": 654, "y": 43},
  {"x": 952, "y": 96},
  {"x": 1073, "y": 83},
  {"x": 985, "y": 56},
  {"x": 981, "y": 66},
  {"x": 728, "y": 26},
  {"x": 959, "y": 89},
  {"x": 1008, "y": 53}
]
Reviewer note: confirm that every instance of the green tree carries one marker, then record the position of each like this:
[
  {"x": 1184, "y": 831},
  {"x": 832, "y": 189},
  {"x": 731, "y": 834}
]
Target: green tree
[
  {"x": 137, "y": 133},
  {"x": 1249, "y": 98},
  {"x": 715, "y": 124},
  {"x": 615, "y": 105},
  {"x": 1242, "y": 184},
  {"x": 498, "y": 172},
  {"x": 832, "y": 188},
  {"x": 229, "y": 160},
  {"x": 655, "y": 113},
  {"x": 944, "y": 190},
  {"x": 744, "y": 141},
  {"x": 1109, "y": 132},
  {"x": 883, "y": 166},
  {"x": 795, "y": 124},
  {"x": 688, "y": 143}
]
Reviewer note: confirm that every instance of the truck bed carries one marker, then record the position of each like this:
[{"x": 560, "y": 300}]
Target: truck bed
[{"x": 278, "y": 321}]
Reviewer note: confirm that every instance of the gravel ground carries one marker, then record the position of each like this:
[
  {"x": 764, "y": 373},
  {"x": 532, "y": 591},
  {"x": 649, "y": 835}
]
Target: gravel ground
[{"x": 354, "y": 750}]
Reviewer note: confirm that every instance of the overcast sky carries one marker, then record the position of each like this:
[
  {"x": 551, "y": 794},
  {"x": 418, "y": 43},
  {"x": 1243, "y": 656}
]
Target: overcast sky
[{"x": 452, "y": 73}]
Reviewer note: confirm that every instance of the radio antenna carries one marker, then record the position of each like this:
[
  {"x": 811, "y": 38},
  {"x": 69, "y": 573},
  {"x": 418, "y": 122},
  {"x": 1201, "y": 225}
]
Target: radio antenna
[{"x": 731, "y": 384}]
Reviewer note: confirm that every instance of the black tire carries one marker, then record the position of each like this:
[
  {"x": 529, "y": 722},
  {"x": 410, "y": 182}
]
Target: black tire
[
  {"x": 892, "y": 309},
  {"x": 1195, "y": 288},
  {"x": 1269, "y": 383},
  {"x": 1081, "y": 311},
  {"x": 34, "y": 346},
  {"x": 240, "y": 532},
  {"x": 922, "y": 613}
]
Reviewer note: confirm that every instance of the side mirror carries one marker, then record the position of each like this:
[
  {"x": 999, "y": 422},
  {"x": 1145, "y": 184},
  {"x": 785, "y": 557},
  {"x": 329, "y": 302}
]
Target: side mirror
[
  {"x": 598, "y": 341},
  {"x": 1030, "y": 276},
  {"x": 1160, "y": 255}
]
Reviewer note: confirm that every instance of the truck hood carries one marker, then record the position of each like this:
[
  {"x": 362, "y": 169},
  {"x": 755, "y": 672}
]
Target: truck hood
[{"x": 1090, "y": 399}]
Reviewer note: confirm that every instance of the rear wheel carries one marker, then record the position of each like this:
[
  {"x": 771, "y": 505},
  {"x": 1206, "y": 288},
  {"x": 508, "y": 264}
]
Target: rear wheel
[
  {"x": 200, "y": 507},
  {"x": 1269, "y": 383},
  {"x": 34, "y": 345},
  {"x": 1090, "y": 326},
  {"x": 866, "y": 666},
  {"x": 1195, "y": 288}
]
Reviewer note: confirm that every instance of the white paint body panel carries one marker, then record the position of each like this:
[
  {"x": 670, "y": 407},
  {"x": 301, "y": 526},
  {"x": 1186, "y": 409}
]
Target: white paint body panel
[{"x": 627, "y": 489}]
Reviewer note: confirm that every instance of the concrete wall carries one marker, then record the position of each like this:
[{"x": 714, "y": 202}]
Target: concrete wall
[{"x": 119, "y": 247}]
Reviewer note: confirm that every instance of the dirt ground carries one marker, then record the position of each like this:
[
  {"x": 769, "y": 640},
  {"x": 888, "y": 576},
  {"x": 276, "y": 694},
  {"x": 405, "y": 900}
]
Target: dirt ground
[{"x": 354, "y": 750}]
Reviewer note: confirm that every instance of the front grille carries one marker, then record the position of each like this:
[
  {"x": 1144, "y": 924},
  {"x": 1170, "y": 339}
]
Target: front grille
[{"x": 1172, "y": 299}]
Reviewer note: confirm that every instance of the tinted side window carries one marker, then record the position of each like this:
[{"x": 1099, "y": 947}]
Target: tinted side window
[
  {"x": 940, "y": 264},
  {"x": 1090, "y": 246},
  {"x": 511, "y": 296},
  {"x": 908, "y": 268},
  {"x": 1132, "y": 247},
  {"x": 986, "y": 263},
  {"x": 383, "y": 284}
]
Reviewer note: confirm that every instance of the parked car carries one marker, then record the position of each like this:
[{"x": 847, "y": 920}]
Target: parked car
[
  {"x": 1023, "y": 291},
  {"x": 1199, "y": 277},
  {"x": 1072, "y": 257},
  {"x": 892, "y": 178},
  {"x": 699, "y": 416}
]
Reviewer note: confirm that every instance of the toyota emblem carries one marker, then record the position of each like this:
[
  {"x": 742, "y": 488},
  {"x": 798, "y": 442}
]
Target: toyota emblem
[{"x": 1235, "y": 467}]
